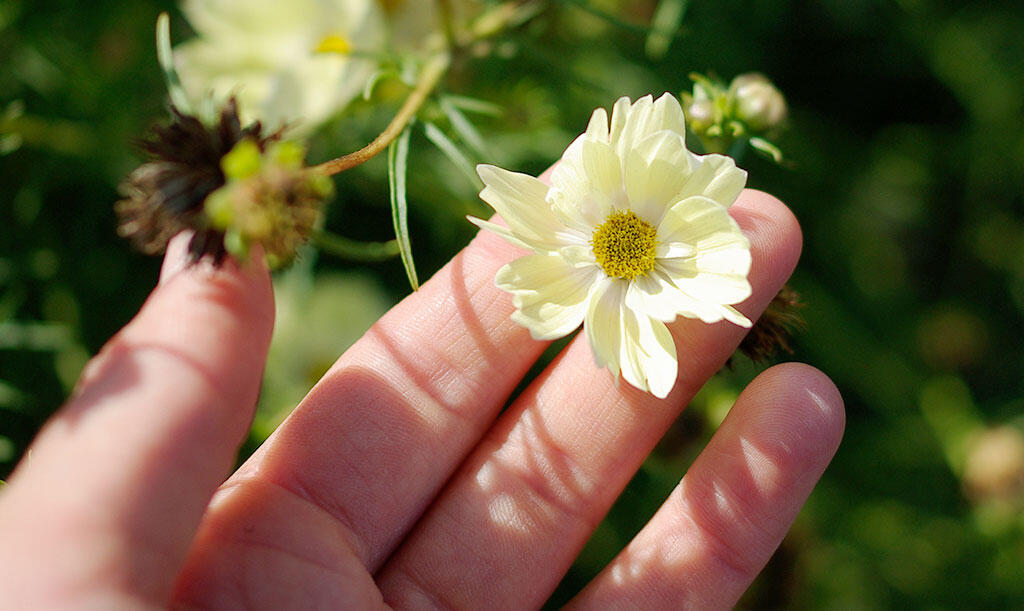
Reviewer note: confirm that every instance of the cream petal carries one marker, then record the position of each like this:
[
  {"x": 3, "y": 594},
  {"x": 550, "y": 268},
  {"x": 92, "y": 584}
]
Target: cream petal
[
  {"x": 501, "y": 231},
  {"x": 635, "y": 127},
  {"x": 568, "y": 236},
  {"x": 603, "y": 322},
  {"x": 728, "y": 261},
  {"x": 648, "y": 354},
  {"x": 675, "y": 250},
  {"x": 578, "y": 255},
  {"x": 603, "y": 169},
  {"x": 654, "y": 173},
  {"x": 663, "y": 296},
  {"x": 655, "y": 296},
  {"x": 550, "y": 295},
  {"x": 668, "y": 114},
  {"x": 521, "y": 200},
  {"x": 736, "y": 317},
  {"x": 646, "y": 117},
  {"x": 631, "y": 354},
  {"x": 705, "y": 312},
  {"x": 734, "y": 260},
  {"x": 702, "y": 223},
  {"x": 715, "y": 177},
  {"x": 717, "y": 272},
  {"x": 715, "y": 288},
  {"x": 660, "y": 363},
  {"x": 597, "y": 129},
  {"x": 669, "y": 147},
  {"x": 620, "y": 112},
  {"x": 572, "y": 197}
]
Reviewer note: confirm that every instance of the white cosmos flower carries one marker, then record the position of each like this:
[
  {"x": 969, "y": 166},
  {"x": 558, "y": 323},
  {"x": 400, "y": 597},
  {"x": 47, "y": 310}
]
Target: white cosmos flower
[
  {"x": 633, "y": 231},
  {"x": 286, "y": 62}
]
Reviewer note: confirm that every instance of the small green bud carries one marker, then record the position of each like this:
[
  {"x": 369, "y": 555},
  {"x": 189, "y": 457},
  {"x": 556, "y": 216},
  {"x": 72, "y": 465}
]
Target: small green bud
[
  {"x": 270, "y": 198},
  {"x": 236, "y": 244},
  {"x": 219, "y": 209},
  {"x": 243, "y": 161},
  {"x": 321, "y": 184},
  {"x": 288, "y": 154}
]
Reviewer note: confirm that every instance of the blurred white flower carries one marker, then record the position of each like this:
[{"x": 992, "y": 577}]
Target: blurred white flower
[
  {"x": 633, "y": 231},
  {"x": 287, "y": 63},
  {"x": 418, "y": 25}
]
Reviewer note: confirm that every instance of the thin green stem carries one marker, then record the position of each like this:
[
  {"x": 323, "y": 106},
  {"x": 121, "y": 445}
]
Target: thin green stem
[{"x": 353, "y": 250}]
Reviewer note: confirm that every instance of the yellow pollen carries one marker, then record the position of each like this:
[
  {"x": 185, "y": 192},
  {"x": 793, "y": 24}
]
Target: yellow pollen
[
  {"x": 625, "y": 245},
  {"x": 334, "y": 44}
]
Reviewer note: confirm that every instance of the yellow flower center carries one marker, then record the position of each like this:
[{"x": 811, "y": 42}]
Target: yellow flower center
[
  {"x": 625, "y": 245},
  {"x": 333, "y": 43}
]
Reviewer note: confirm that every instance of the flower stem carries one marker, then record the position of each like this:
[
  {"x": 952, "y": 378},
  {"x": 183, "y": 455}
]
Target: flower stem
[
  {"x": 429, "y": 78},
  {"x": 353, "y": 250}
]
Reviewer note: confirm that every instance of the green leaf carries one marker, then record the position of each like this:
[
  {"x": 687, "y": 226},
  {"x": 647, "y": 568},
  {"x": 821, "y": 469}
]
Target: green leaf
[
  {"x": 465, "y": 129},
  {"x": 398, "y": 161},
  {"x": 767, "y": 148},
  {"x": 378, "y": 76},
  {"x": 664, "y": 27},
  {"x": 474, "y": 105},
  {"x": 166, "y": 59},
  {"x": 451, "y": 150}
]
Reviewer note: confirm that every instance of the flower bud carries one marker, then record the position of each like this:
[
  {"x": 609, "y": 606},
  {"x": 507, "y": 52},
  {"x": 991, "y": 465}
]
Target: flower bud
[
  {"x": 700, "y": 114},
  {"x": 758, "y": 103}
]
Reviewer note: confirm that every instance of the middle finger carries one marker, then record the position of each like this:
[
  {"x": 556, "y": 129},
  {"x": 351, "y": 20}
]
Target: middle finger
[{"x": 513, "y": 519}]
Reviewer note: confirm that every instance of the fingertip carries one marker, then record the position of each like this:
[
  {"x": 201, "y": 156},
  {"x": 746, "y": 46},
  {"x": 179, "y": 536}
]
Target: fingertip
[
  {"x": 245, "y": 287},
  {"x": 733, "y": 507},
  {"x": 774, "y": 233},
  {"x": 824, "y": 397},
  {"x": 803, "y": 411}
]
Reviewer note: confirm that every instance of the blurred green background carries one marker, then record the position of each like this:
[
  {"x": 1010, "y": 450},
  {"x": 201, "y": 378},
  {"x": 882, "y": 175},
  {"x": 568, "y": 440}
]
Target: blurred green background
[{"x": 905, "y": 166}]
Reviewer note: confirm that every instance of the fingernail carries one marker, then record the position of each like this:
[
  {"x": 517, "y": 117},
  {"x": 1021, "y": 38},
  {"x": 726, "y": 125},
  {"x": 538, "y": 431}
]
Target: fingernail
[{"x": 176, "y": 256}]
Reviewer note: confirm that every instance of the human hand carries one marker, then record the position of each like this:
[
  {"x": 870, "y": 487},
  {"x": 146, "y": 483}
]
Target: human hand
[{"x": 399, "y": 479}]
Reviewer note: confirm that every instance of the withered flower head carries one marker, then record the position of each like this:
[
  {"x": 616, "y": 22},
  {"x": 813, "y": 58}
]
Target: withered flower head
[
  {"x": 270, "y": 198},
  {"x": 165, "y": 195},
  {"x": 776, "y": 326}
]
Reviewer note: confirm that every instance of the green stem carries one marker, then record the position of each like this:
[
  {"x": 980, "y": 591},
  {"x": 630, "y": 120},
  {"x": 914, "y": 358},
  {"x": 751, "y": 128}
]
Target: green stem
[{"x": 353, "y": 250}]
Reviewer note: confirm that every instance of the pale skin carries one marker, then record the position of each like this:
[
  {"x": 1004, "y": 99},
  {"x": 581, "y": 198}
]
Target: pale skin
[{"x": 396, "y": 481}]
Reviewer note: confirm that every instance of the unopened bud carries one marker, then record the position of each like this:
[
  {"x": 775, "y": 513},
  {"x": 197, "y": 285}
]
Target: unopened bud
[
  {"x": 700, "y": 114},
  {"x": 758, "y": 102}
]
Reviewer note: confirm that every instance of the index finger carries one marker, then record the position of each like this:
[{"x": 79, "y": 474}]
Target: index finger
[{"x": 118, "y": 480}]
